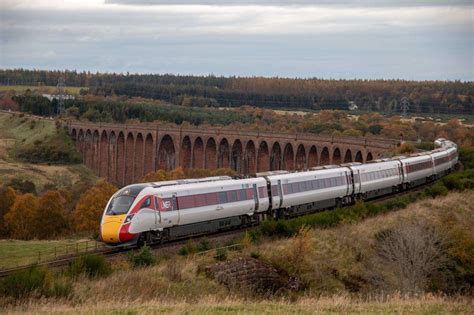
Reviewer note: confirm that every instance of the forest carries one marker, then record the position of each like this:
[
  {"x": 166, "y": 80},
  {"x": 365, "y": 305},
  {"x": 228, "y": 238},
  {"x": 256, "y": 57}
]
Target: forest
[{"x": 434, "y": 97}]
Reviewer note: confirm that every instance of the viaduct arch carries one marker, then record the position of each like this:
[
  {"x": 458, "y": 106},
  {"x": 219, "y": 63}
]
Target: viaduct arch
[{"x": 123, "y": 154}]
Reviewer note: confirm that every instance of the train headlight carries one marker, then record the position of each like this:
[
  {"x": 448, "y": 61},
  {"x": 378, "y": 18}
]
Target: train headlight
[{"x": 128, "y": 219}]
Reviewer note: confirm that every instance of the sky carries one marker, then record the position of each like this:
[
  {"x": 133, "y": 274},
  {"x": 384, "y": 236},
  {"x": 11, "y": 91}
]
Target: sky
[{"x": 340, "y": 39}]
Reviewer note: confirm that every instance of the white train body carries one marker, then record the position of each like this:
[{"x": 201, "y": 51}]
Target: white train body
[
  {"x": 182, "y": 208},
  {"x": 377, "y": 177}
]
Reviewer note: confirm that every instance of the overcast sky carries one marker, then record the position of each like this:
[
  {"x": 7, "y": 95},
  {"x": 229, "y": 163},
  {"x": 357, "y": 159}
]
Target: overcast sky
[{"x": 407, "y": 39}]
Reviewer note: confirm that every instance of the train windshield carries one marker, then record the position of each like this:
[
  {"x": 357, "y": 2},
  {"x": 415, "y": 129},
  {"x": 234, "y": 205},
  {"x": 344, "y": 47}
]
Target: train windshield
[
  {"x": 124, "y": 199},
  {"x": 120, "y": 205}
]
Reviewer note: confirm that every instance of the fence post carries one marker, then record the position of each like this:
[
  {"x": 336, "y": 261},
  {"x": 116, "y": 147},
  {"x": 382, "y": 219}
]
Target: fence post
[{"x": 55, "y": 252}]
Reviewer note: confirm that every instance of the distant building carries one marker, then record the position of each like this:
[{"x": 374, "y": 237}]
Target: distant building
[
  {"x": 56, "y": 96},
  {"x": 353, "y": 105}
]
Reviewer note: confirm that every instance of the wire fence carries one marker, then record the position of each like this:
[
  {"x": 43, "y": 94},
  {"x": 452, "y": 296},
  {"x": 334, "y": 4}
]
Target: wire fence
[{"x": 50, "y": 254}]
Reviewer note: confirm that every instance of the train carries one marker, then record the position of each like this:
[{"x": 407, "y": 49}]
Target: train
[{"x": 158, "y": 212}]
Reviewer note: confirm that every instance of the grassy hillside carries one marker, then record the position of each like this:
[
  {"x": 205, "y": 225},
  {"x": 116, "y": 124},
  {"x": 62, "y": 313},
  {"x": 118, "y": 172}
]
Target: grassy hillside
[
  {"x": 338, "y": 270},
  {"x": 25, "y": 140}
]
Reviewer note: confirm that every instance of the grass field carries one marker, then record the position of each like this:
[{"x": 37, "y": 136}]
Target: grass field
[
  {"x": 16, "y": 132},
  {"x": 43, "y": 89},
  {"x": 15, "y": 253},
  {"x": 324, "y": 305}
]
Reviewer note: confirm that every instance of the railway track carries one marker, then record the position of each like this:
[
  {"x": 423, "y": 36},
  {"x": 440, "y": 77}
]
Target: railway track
[{"x": 113, "y": 252}]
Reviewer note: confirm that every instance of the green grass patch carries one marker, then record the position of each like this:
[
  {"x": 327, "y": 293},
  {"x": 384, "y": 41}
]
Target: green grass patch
[{"x": 15, "y": 253}]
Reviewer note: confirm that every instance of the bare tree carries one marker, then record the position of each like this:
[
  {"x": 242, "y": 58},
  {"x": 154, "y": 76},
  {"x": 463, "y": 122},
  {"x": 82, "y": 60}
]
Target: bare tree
[{"x": 407, "y": 256}]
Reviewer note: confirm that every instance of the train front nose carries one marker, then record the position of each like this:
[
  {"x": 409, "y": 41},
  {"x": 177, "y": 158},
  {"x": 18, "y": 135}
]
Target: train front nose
[{"x": 110, "y": 228}]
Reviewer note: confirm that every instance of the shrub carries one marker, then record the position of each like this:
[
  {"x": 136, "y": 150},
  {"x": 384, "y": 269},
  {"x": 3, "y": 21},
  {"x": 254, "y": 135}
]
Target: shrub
[
  {"x": 437, "y": 189},
  {"x": 203, "y": 245},
  {"x": 144, "y": 257},
  {"x": 221, "y": 254},
  {"x": 26, "y": 282},
  {"x": 183, "y": 251},
  {"x": 93, "y": 266}
]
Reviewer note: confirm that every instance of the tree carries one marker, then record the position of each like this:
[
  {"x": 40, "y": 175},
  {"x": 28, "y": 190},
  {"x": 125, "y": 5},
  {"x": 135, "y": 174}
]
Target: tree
[
  {"x": 89, "y": 208},
  {"x": 21, "y": 217},
  {"x": 7, "y": 199},
  {"x": 51, "y": 219},
  {"x": 407, "y": 257}
]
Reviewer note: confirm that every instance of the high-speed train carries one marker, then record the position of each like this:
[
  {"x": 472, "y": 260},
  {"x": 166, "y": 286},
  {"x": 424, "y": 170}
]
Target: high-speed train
[{"x": 169, "y": 210}]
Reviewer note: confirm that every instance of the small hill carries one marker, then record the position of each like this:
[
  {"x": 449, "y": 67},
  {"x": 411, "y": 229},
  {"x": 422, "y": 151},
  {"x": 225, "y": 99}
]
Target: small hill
[{"x": 38, "y": 150}]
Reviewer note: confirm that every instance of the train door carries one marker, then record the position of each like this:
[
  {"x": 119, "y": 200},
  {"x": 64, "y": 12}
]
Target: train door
[
  {"x": 255, "y": 197},
  {"x": 169, "y": 212}
]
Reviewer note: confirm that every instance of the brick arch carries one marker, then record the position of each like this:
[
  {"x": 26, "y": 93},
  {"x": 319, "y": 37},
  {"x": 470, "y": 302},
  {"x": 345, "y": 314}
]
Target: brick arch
[
  {"x": 88, "y": 149},
  {"x": 120, "y": 158},
  {"x": 211, "y": 154},
  {"x": 313, "y": 157},
  {"x": 186, "y": 153},
  {"x": 166, "y": 153},
  {"x": 348, "y": 156},
  {"x": 223, "y": 154},
  {"x": 300, "y": 157},
  {"x": 250, "y": 159},
  {"x": 358, "y": 157},
  {"x": 198, "y": 153},
  {"x": 80, "y": 142},
  {"x": 336, "y": 156},
  {"x": 148, "y": 158},
  {"x": 324, "y": 159},
  {"x": 263, "y": 157},
  {"x": 236, "y": 156},
  {"x": 289, "y": 157},
  {"x": 138, "y": 169},
  {"x": 104, "y": 155},
  {"x": 96, "y": 150},
  {"x": 112, "y": 173},
  {"x": 369, "y": 157},
  {"x": 129, "y": 159},
  {"x": 276, "y": 157},
  {"x": 74, "y": 134}
]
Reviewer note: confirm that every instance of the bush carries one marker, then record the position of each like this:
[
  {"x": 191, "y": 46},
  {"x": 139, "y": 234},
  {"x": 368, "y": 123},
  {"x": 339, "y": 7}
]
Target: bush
[
  {"x": 93, "y": 266},
  {"x": 26, "y": 282},
  {"x": 437, "y": 189},
  {"x": 221, "y": 254},
  {"x": 203, "y": 245},
  {"x": 144, "y": 257}
]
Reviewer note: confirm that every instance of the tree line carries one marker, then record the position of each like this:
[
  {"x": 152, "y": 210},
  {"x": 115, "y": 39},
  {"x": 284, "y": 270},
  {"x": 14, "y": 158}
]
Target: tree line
[{"x": 437, "y": 97}]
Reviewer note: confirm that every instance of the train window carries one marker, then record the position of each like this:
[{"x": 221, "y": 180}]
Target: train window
[
  {"x": 242, "y": 194},
  {"x": 249, "y": 193},
  {"x": 146, "y": 203},
  {"x": 286, "y": 188},
  {"x": 262, "y": 192},
  {"x": 222, "y": 197},
  {"x": 186, "y": 202},
  {"x": 302, "y": 186},
  {"x": 327, "y": 182},
  {"x": 232, "y": 196},
  {"x": 199, "y": 200},
  {"x": 274, "y": 190},
  {"x": 211, "y": 198},
  {"x": 314, "y": 184}
]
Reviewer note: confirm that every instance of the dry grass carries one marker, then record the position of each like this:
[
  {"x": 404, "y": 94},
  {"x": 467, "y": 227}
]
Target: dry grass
[{"x": 426, "y": 304}]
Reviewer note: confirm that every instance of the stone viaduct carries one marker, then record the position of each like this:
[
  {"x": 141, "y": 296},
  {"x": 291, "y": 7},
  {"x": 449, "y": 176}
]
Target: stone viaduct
[{"x": 125, "y": 153}]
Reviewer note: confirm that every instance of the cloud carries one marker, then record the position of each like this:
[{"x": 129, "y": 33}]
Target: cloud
[
  {"x": 347, "y": 3},
  {"x": 363, "y": 40}
]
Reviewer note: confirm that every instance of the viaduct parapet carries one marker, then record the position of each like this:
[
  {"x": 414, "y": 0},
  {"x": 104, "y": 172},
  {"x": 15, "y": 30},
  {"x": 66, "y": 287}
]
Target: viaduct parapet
[{"x": 124, "y": 153}]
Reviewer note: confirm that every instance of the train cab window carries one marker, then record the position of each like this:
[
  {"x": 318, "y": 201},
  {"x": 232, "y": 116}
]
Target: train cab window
[
  {"x": 120, "y": 205},
  {"x": 146, "y": 203},
  {"x": 222, "y": 197}
]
